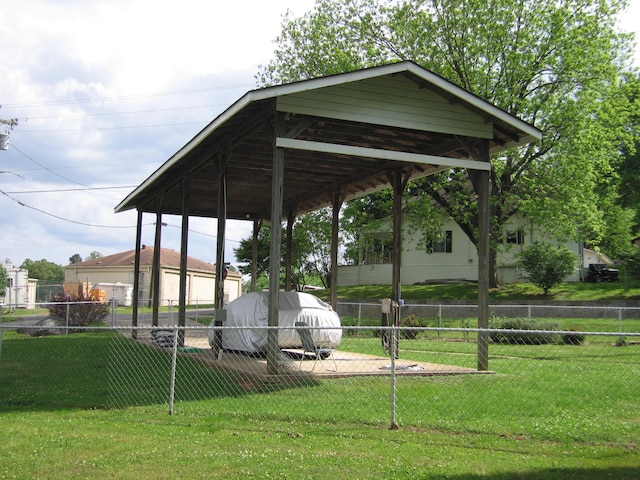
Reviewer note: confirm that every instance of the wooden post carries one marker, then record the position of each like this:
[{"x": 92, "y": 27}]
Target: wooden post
[
  {"x": 155, "y": 273},
  {"x": 336, "y": 201},
  {"x": 483, "y": 258},
  {"x": 136, "y": 277},
  {"x": 277, "y": 196},
  {"x": 219, "y": 282},
  {"x": 182, "y": 308}
]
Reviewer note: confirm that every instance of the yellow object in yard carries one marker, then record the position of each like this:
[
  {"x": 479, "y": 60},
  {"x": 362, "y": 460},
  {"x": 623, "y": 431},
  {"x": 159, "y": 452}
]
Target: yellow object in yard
[
  {"x": 98, "y": 294},
  {"x": 76, "y": 289}
]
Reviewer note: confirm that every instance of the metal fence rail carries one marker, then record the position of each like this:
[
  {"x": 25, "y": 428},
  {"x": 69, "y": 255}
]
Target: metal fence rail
[{"x": 433, "y": 377}]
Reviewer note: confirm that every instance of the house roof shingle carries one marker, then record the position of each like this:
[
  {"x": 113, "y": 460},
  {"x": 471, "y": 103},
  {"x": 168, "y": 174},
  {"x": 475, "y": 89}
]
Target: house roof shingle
[{"x": 168, "y": 259}]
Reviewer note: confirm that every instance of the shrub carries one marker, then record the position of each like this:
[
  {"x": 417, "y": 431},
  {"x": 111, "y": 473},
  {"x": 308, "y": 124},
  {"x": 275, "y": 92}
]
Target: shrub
[
  {"x": 82, "y": 311},
  {"x": 523, "y": 338},
  {"x": 546, "y": 266},
  {"x": 411, "y": 321}
]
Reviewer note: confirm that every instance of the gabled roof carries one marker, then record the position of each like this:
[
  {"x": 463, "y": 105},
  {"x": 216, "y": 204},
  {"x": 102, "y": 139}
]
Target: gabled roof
[
  {"x": 168, "y": 259},
  {"x": 342, "y": 133}
]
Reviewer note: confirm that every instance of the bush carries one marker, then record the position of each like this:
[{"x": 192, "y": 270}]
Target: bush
[
  {"x": 411, "y": 321},
  {"x": 523, "y": 338},
  {"x": 82, "y": 311},
  {"x": 546, "y": 266}
]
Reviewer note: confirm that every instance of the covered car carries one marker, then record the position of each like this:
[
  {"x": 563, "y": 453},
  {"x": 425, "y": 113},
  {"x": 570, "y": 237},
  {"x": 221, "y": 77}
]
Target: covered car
[{"x": 250, "y": 311}]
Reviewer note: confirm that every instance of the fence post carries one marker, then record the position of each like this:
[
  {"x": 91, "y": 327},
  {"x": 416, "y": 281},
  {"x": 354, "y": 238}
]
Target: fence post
[
  {"x": 620, "y": 320},
  {"x": 394, "y": 424},
  {"x": 66, "y": 332},
  {"x": 174, "y": 356}
]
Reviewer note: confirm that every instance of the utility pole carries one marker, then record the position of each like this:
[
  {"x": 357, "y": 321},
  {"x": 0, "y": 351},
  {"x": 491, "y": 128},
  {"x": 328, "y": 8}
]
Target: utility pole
[{"x": 4, "y": 137}]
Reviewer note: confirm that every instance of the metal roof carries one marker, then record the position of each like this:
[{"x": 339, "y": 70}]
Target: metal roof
[{"x": 343, "y": 134}]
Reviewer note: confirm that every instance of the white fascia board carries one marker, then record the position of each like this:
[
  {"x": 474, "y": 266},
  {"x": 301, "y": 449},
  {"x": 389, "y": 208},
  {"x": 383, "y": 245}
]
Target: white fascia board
[{"x": 380, "y": 154}]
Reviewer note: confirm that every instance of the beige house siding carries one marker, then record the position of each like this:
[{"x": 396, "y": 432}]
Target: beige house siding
[
  {"x": 461, "y": 264},
  {"x": 200, "y": 283}
]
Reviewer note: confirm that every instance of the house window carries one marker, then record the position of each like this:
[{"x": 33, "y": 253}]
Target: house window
[
  {"x": 515, "y": 237},
  {"x": 441, "y": 244},
  {"x": 378, "y": 251}
]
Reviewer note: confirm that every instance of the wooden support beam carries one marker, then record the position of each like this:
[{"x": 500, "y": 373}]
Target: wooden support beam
[
  {"x": 336, "y": 201},
  {"x": 136, "y": 276},
  {"x": 277, "y": 195},
  {"x": 155, "y": 272},
  {"x": 483, "y": 190},
  {"x": 184, "y": 237}
]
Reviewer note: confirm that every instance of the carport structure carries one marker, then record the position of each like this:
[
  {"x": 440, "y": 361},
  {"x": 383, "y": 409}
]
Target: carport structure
[{"x": 281, "y": 151}]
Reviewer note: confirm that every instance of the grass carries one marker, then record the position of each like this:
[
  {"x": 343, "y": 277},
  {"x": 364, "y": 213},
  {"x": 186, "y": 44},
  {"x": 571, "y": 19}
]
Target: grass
[
  {"x": 626, "y": 289},
  {"x": 94, "y": 405}
]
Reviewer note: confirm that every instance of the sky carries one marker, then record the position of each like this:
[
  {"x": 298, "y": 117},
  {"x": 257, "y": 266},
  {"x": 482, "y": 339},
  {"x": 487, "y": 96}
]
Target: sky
[{"x": 105, "y": 92}]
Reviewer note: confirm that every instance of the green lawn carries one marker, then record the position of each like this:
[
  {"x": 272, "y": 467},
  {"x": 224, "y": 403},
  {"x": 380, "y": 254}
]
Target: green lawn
[
  {"x": 94, "y": 405},
  {"x": 625, "y": 289}
]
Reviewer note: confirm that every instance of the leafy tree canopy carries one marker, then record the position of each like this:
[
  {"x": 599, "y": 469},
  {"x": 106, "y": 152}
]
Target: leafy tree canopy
[
  {"x": 4, "y": 282},
  {"x": 556, "y": 64},
  {"x": 311, "y": 250},
  {"x": 75, "y": 258},
  {"x": 43, "y": 270}
]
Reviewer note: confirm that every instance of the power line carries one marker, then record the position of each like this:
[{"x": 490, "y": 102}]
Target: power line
[
  {"x": 204, "y": 122},
  {"x": 68, "y": 189},
  {"x": 47, "y": 168},
  {"x": 62, "y": 218},
  {"x": 127, "y": 97},
  {"x": 155, "y": 110},
  {"x": 6, "y": 194}
]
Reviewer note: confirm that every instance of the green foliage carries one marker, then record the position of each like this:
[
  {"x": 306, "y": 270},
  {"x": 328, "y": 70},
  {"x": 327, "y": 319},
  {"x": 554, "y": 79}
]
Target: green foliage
[
  {"x": 411, "y": 321},
  {"x": 546, "y": 266},
  {"x": 79, "y": 310},
  {"x": 75, "y": 258},
  {"x": 310, "y": 250},
  {"x": 519, "y": 337},
  {"x": 4, "y": 281},
  {"x": 555, "y": 64},
  {"x": 632, "y": 263},
  {"x": 43, "y": 270}
]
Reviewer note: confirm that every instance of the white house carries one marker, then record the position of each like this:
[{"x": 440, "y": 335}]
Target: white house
[
  {"x": 453, "y": 258},
  {"x": 119, "y": 267},
  {"x": 21, "y": 290}
]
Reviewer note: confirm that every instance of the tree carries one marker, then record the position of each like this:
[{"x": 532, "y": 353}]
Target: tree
[
  {"x": 75, "y": 258},
  {"x": 311, "y": 250},
  {"x": 43, "y": 270},
  {"x": 629, "y": 167},
  {"x": 4, "y": 281},
  {"x": 555, "y": 64},
  {"x": 93, "y": 255},
  {"x": 546, "y": 266}
]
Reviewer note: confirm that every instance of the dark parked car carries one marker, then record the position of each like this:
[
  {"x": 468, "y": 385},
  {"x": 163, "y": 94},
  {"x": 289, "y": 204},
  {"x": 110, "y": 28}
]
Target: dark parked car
[{"x": 599, "y": 272}]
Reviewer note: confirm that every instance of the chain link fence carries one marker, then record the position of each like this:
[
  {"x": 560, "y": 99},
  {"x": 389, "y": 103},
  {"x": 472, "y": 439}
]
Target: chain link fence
[{"x": 561, "y": 371}]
